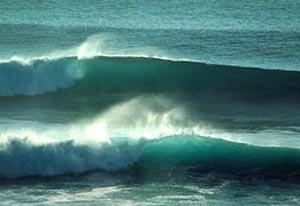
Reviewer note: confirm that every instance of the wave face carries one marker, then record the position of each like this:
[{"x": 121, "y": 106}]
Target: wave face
[
  {"x": 200, "y": 154},
  {"x": 129, "y": 75}
]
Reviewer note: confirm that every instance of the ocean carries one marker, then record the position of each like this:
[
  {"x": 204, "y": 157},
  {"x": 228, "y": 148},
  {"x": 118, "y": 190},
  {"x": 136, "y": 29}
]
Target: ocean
[{"x": 139, "y": 102}]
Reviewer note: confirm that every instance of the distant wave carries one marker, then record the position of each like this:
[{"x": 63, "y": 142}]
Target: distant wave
[
  {"x": 91, "y": 48},
  {"x": 25, "y": 75},
  {"x": 113, "y": 75}
]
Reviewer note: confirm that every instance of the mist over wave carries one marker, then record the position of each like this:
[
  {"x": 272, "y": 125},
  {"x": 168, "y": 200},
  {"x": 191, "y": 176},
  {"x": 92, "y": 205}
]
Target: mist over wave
[
  {"x": 109, "y": 142},
  {"x": 148, "y": 133}
]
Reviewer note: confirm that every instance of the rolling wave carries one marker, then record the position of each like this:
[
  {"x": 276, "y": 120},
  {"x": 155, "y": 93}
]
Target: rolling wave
[
  {"x": 89, "y": 63},
  {"x": 131, "y": 74},
  {"x": 200, "y": 154}
]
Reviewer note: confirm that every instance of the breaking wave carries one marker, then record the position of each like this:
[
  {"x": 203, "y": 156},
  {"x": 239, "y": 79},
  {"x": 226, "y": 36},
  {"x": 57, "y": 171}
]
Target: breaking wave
[
  {"x": 145, "y": 135},
  {"x": 88, "y": 63}
]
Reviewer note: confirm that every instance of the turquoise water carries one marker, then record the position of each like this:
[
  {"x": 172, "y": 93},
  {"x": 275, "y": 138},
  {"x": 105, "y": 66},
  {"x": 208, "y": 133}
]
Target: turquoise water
[{"x": 149, "y": 102}]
